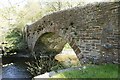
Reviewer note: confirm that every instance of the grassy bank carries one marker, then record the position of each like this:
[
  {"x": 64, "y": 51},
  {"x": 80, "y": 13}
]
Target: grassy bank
[{"x": 92, "y": 71}]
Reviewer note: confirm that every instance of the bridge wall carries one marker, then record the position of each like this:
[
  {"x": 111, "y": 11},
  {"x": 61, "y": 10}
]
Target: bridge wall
[{"x": 90, "y": 30}]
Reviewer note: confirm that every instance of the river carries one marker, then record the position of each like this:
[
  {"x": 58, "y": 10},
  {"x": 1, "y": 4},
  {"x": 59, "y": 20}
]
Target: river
[{"x": 15, "y": 70}]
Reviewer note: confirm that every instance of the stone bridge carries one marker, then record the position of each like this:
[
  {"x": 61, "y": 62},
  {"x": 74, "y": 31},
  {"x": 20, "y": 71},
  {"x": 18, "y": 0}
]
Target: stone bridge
[{"x": 90, "y": 30}]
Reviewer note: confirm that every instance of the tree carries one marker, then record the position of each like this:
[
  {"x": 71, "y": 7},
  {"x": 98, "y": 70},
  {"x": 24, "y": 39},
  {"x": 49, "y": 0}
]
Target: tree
[{"x": 15, "y": 21}]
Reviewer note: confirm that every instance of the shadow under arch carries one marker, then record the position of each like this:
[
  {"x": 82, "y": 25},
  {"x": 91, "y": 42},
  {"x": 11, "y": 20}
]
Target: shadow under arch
[{"x": 49, "y": 42}]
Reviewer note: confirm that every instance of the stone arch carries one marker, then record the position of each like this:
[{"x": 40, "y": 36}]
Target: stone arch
[
  {"x": 43, "y": 44},
  {"x": 48, "y": 25}
]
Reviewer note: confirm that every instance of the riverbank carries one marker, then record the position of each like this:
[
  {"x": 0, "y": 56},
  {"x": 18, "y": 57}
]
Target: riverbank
[{"x": 88, "y": 71}]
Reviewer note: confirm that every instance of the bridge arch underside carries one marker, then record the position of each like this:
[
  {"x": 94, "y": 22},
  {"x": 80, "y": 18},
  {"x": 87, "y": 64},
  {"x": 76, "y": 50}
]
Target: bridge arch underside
[{"x": 49, "y": 43}]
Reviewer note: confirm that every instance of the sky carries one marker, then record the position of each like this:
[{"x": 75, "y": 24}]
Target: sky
[
  {"x": 21, "y": 3},
  {"x": 8, "y": 3}
]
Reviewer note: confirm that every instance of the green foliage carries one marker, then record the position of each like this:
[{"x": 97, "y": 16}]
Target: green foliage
[
  {"x": 92, "y": 71},
  {"x": 15, "y": 40},
  {"x": 41, "y": 64},
  {"x": 58, "y": 66},
  {"x": 15, "y": 22}
]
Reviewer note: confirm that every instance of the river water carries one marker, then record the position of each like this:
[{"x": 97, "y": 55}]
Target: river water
[
  {"x": 16, "y": 71},
  {"x": 15, "y": 68}
]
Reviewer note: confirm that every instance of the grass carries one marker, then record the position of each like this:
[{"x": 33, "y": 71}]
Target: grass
[{"x": 92, "y": 71}]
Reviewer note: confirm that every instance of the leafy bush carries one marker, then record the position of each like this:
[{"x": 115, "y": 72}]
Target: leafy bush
[
  {"x": 41, "y": 64},
  {"x": 15, "y": 40}
]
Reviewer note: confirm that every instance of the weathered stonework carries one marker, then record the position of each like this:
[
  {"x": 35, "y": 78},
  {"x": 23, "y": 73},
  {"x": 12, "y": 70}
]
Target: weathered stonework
[{"x": 90, "y": 30}]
